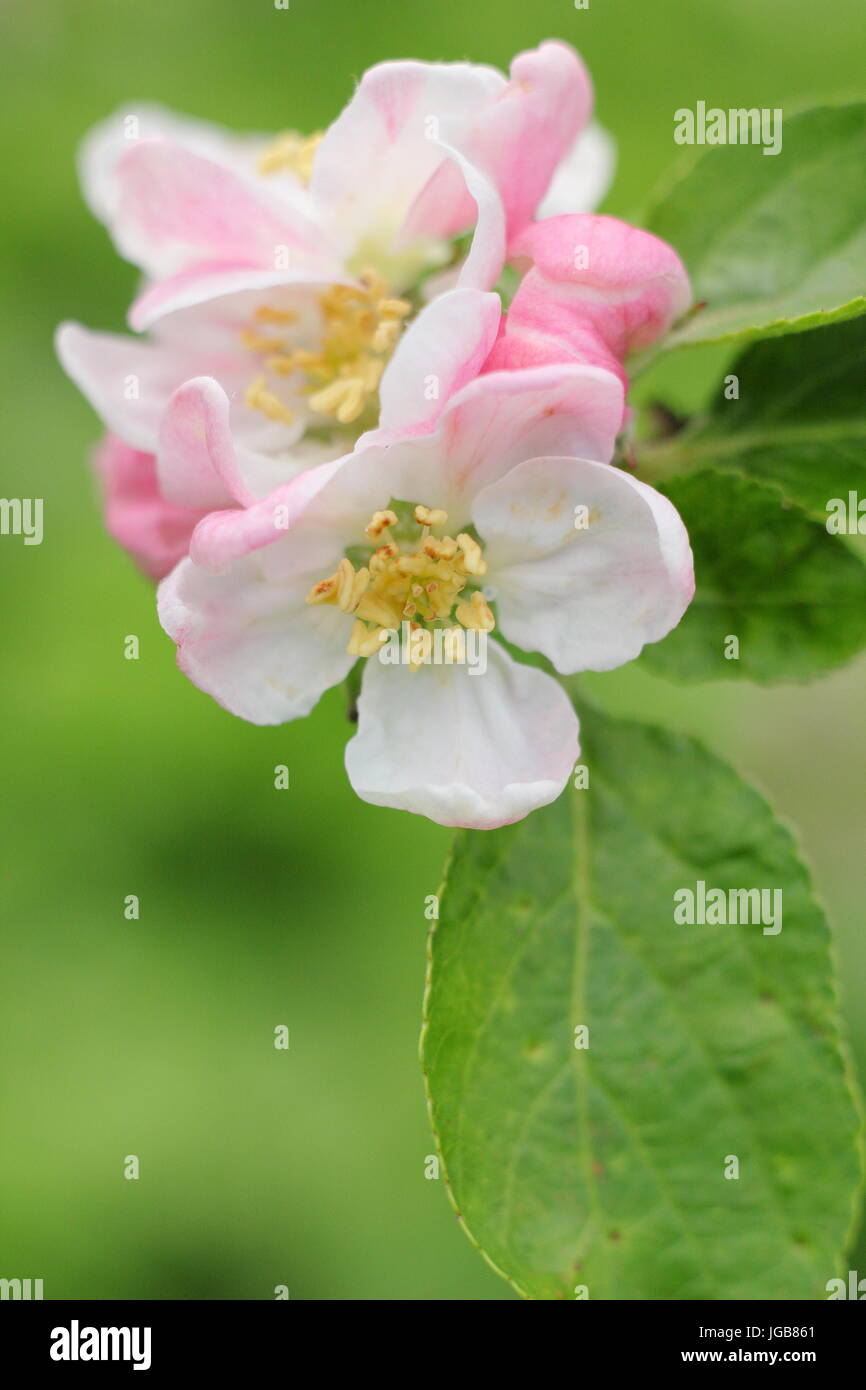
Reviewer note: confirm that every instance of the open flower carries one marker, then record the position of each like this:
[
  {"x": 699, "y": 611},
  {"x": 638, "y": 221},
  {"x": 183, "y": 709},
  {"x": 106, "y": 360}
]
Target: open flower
[
  {"x": 289, "y": 269},
  {"x": 503, "y": 519}
]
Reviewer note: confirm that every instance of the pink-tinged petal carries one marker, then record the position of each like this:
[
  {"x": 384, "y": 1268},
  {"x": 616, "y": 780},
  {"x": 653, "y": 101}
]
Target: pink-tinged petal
[
  {"x": 502, "y": 418},
  {"x": 381, "y": 151},
  {"x": 156, "y": 533},
  {"x": 197, "y": 463},
  {"x": 597, "y": 273},
  {"x": 486, "y": 256},
  {"x": 517, "y": 139},
  {"x": 224, "y": 538},
  {"x": 214, "y": 451},
  {"x": 586, "y": 564},
  {"x": 206, "y": 281},
  {"x": 176, "y": 210},
  {"x": 249, "y": 639},
  {"x": 443, "y": 349},
  {"x": 478, "y": 750},
  {"x": 128, "y": 382},
  {"x": 485, "y": 429},
  {"x": 106, "y": 142},
  {"x": 583, "y": 176},
  {"x": 520, "y": 346}
]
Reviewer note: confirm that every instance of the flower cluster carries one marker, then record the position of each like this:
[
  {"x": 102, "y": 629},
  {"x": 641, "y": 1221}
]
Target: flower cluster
[{"x": 331, "y": 429}]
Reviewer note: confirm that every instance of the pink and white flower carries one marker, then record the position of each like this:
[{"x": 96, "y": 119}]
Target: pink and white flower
[
  {"x": 287, "y": 269},
  {"x": 471, "y": 525}
]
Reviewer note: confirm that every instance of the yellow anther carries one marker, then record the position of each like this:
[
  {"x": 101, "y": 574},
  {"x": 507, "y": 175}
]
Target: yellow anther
[
  {"x": 343, "y": 398},
  {"x": 423, "y": 587},
  {"x": 379, "y": 522},
  {"x": 344, "y": 588},
  {"x": 476, "y": 613},
  {"x": 412, "y": 564},
  {"x": 291, "y": 151},
  {"x": 258, "y": 397},
  {"x": 430, "y": 516},
  {"x": 266, "y": 314},
  {"x": 473, "y": 560},
  {"x": 258, "y": 342},
  {"x": 282, "y": 364},
  {"x": 375, "y": 608},
  {"x": 379, "y": 559},
  {"x": 363, "y": 641},
  {"x": 393, "y": 308},
  {"x": 375, "y": 284}
]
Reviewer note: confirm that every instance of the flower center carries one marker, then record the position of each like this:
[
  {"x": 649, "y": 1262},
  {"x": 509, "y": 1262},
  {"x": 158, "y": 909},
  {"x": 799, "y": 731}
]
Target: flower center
[
  {"x": 429, "y": 586},
  {"x": 360, "y": 327}
]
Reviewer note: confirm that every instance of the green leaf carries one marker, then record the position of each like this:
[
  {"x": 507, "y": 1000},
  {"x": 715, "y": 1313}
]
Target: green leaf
[
  {"x": 604, "y": 1166},
  {"x": 773, "y": 244},
  {"x": 792, "y": 595},
  {"x": 799, "y": 421}
]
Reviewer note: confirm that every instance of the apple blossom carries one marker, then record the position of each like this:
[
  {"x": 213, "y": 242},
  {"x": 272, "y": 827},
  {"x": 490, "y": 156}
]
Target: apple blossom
[
  {"x": 471, "y": 525},
  {"x": 287, "y": 269}
]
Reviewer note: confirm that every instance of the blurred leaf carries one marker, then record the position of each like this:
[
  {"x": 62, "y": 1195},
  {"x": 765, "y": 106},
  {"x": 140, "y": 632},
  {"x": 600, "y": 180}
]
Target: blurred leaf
[
  {"x": 767, "y": 574},
  {"x": 799, "y": 420},
  {"x": 604, "y": 1166},
  {"x": 774, "y": 244}
]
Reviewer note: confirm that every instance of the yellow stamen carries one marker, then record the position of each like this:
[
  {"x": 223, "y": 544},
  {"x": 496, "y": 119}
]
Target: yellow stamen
[
  {"x": 379, "y": 522},
  {"x": 258, "y": 342},
  {"x": 473, "y": 560},
  {"x": 291, "y": 151},
  {"x": 345, "y": 587},
  {"x": 266, "y": 314},
  {"x": 424, "y": 586},
  {"x": 258, "y": 397},
  {"x": 360, "y": 327},
  {"x": 476, "y": 613},
  {"x": 427, "y": 516}
]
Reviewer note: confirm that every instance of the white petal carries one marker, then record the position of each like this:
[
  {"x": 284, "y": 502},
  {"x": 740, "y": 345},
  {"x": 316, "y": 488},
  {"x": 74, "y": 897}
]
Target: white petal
[
  {"x": 141, "y": 120},
  {"x": 583, "y": 176},
  {"x": 127, "y": 381},
  {"x": 588, "y": 598},
  {"x": 248, "y": 638},
  {"x": 443, "y": 349},
  {"x": 477, "y": 750}
]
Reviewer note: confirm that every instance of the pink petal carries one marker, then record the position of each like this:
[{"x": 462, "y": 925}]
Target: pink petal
[
  {"x": 197, "y": 463},
  {"x": 383, "y": 149},
  {"x": 106, "y": 142},
  {"x": 176, "y": 210},
  {"x": 597, "y": 274},
  {"x": 156, "y": 533},
  {"x": 517, "y": 138}
]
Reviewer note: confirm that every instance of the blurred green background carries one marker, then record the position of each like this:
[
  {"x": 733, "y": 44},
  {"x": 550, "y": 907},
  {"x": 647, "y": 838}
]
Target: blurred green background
[{"x": 260, "y": 907}]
